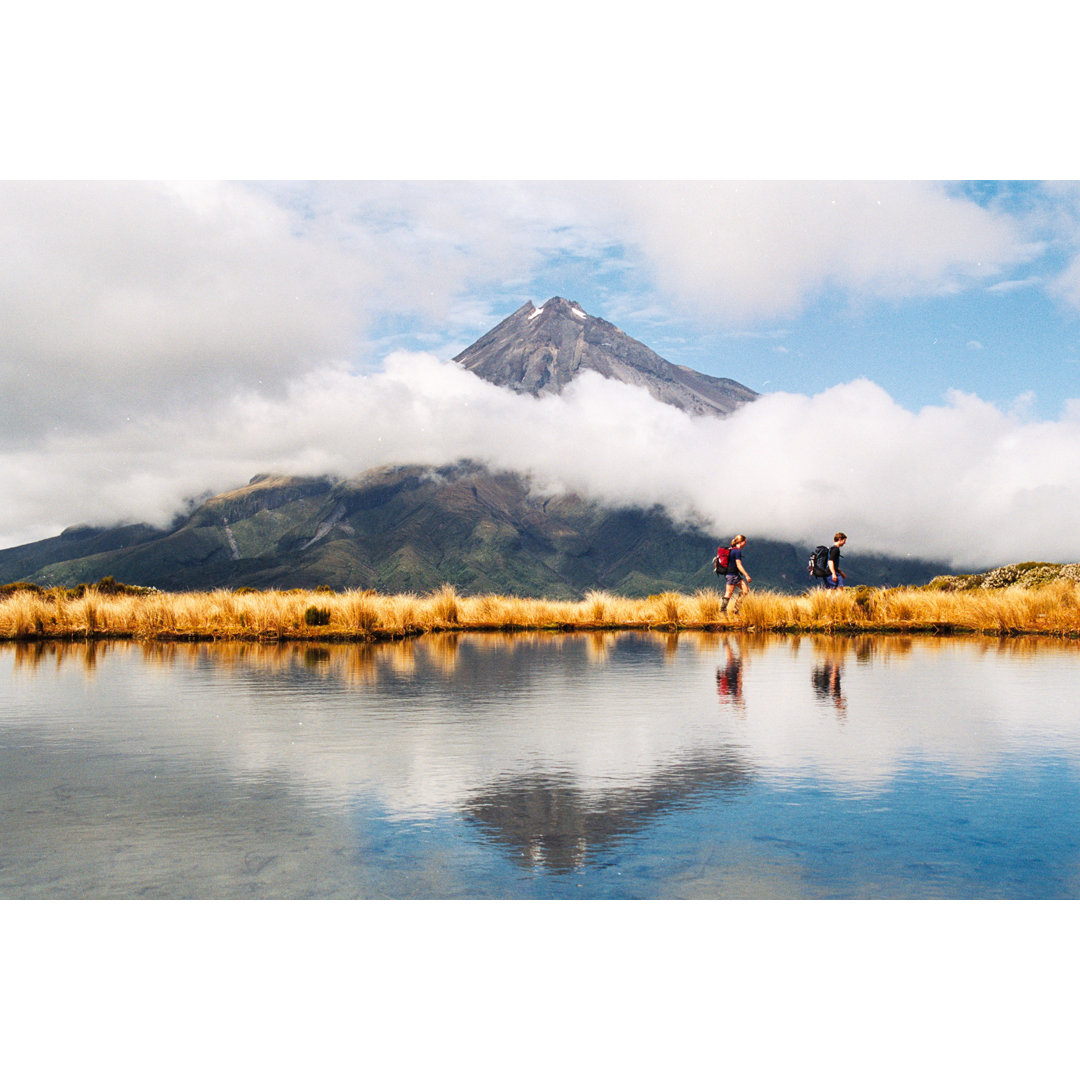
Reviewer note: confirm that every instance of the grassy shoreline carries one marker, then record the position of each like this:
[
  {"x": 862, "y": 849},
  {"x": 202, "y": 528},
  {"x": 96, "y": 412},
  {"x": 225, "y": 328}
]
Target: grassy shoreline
[{"x": 119, "y": 612}]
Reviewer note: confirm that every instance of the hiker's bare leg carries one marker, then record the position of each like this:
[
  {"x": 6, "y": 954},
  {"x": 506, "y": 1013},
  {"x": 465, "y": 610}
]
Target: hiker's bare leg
[{"x": 743, "y": 590}]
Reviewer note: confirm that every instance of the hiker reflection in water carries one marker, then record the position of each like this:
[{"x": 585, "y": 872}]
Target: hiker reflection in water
[
  {"x": 729, "y": 677},
  {"x": 736, "y": 576},
  {"x": 826, "y": 682}
]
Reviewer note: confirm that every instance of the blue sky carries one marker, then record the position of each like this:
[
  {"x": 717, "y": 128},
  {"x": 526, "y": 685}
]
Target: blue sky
[{"x": 1010, "y": 333}]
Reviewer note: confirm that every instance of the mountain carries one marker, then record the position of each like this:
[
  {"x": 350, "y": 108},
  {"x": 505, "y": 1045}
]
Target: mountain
[
  {"x": 412, "y": 528},
  {"x": 538, "y": 350},
  {"x": 24, "y": 563}
]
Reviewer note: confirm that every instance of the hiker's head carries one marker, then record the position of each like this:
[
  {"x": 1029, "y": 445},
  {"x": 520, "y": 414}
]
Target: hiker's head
[
  {"x": 840, "y": 539},
  {"x": 738, "y": 541}
]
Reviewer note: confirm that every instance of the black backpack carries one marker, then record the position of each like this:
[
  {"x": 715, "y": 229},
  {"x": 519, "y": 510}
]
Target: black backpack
[{"x": 818, "y": 566}]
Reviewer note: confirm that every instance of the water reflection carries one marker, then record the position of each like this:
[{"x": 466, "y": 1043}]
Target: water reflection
[
  {"x": 504, "y": 764},
  {"x": 729, "y": 676},
  {"x": 552, "y": 821},
  {"x": 826, "y": 682},
  {"x": 444, "y": 649}
]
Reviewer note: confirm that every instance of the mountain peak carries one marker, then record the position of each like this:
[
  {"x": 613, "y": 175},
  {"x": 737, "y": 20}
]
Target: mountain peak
[
  {"x": 539, "y": 350},
  {"x": 557, "y": 306}
]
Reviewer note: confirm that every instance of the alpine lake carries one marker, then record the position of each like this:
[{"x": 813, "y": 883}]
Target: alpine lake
[{"x": 629, "y": 765}]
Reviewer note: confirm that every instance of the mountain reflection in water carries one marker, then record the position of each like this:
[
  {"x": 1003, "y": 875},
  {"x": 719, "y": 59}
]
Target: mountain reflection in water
[{"x": 553, "y": 823}]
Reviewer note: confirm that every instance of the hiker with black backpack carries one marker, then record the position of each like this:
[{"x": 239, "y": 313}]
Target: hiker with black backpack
[
  {"x": 824, "y": 564},
  {"x": 728, "y": 562}
]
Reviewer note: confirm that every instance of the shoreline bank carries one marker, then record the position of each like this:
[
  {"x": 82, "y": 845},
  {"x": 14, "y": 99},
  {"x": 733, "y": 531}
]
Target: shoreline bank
[{"x": 1051, "y": 610}]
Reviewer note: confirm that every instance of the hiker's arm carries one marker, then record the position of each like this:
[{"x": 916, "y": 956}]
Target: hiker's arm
[{"x": 738, "y": 563}]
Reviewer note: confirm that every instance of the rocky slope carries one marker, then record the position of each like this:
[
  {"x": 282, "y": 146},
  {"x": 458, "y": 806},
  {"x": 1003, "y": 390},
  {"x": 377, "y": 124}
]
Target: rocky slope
[
  {"x": 1029, "y": 575},
  {"x": 538, "y": 350}
]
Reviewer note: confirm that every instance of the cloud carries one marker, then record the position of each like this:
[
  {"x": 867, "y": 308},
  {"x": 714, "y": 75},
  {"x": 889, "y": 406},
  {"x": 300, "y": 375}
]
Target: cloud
[
  {"x": 124, "y": 299},
  {"x": 121, "y": 298},
  {"x": 1014, "y": 286},
  {"x": 737, "y": 252},
  {"x": 1066, "y": 286},
  {"x": 962, "y": 481}
]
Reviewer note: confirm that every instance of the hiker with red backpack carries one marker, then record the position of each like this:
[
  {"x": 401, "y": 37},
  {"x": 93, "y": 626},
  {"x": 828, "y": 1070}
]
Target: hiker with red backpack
[{"x": 728, "y": 562}]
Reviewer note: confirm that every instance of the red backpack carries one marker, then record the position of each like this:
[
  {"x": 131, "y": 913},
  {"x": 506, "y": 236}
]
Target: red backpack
[{"x": 722, "y": 561}]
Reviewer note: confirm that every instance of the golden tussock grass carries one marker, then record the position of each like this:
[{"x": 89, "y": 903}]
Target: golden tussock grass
[{"x": 359, "y": 615}]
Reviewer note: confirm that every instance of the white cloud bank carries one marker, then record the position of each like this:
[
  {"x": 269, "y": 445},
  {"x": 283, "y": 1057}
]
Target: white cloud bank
[{"x": 962, "y": 481}]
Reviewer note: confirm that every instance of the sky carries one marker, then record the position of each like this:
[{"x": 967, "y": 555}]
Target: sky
[
  {"x": 916, "y": 346},
  {"x": 169, "y": 332}
]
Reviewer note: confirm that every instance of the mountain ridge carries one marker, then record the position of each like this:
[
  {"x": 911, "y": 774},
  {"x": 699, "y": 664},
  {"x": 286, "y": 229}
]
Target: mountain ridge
[
  {"x": 414, "y": 528},
  {"x": 540, "y": 350}
]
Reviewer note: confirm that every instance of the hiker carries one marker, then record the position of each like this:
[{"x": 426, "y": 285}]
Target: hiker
[
  {"x": 826, "y": 564},
  {"x": 736, "y": 575}
]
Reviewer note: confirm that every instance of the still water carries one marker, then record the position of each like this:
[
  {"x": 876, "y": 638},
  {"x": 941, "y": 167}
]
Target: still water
[{"x": 627, "y": 765}]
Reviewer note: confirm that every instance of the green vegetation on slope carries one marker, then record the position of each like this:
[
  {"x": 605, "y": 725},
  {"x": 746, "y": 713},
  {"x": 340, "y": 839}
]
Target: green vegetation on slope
[{"x": 412, "y": 529}]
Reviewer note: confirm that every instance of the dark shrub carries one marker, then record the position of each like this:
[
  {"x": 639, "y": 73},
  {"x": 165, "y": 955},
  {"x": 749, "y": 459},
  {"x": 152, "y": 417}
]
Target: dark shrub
[
  {"x": 316, "y": 616},
  {"x": 20, "y": 586}
]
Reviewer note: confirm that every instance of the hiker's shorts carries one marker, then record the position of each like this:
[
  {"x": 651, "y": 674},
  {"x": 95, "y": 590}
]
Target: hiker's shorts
[{"x": 732, "y": 579}]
